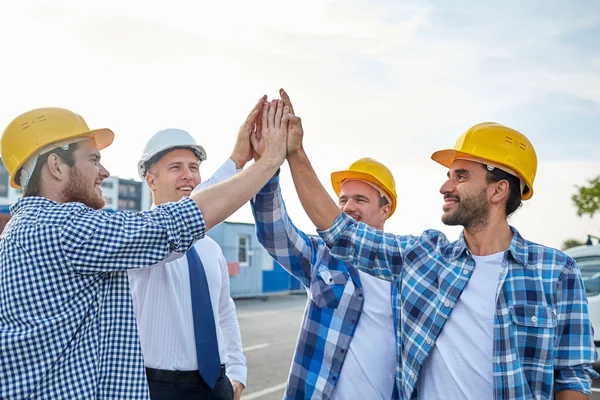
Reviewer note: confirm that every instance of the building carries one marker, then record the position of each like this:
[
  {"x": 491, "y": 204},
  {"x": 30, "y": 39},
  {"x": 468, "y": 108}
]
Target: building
[{"x": 252, "y": 271}]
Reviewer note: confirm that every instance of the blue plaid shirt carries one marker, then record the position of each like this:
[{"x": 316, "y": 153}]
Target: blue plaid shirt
[
  {"x": 543, "y": 338},
  {"x": 336, "y": 297},
  {"x": 67, "y": 326}
]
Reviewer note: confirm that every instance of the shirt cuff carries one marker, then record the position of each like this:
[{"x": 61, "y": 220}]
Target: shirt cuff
[
  {"x": 271, "y": 186},
  {"x": 226, "y": 171},
  {"x": 331, "y": 235},
  {"x": 237, "y": 372}
]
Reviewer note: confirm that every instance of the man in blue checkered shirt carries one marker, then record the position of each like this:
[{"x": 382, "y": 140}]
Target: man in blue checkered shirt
[
  {"x": 346, "y": 345},
  {"x": 67, "y": 326},
  {"x": 491, "y": 315}
]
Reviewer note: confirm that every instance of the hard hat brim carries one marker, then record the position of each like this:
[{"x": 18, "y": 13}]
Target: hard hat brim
[{"x": 338, "y": 178}]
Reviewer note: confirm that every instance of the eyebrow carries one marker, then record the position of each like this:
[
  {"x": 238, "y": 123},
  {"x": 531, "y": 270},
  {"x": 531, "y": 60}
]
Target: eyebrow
[
  {"x": 458, "y": 171},
  {"x": 355, "y": 196}
]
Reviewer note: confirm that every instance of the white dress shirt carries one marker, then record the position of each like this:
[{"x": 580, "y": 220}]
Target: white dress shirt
[{"x": 163, "y": 307}]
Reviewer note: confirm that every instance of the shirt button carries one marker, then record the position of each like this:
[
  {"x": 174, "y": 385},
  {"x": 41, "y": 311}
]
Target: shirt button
[
  {"x": 360, "y": 295},
  {"x": 534, "y": 318},
  {"x": 465, "y": 272},
  {"x": 342, "y": 351},
  {"x": 353, "y": 321},
  {"x": 334, "y": 377},
  {"x": 447, "y": 304},
  {"x": 428, "y": 341},
  {"x": 411, "y": 374}
]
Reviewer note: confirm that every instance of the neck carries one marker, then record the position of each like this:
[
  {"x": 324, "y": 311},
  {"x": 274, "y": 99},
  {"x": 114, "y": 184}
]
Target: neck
[{"x": 492, "y": 239}]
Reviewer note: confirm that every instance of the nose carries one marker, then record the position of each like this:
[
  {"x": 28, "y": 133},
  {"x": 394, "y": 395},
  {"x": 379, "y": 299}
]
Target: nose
[
  {"x": 448, "y": 187},
  {"x": 349, "y": 206},
  {"x": 103, "y": 172}
]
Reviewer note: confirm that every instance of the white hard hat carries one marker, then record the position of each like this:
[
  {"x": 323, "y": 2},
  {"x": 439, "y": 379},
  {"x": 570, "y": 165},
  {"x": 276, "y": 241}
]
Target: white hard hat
[{"x": 168, "y": 139}]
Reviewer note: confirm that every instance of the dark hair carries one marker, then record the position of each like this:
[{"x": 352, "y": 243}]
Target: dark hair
[
  {"x": 383, "y": 201},
  {"x": 514, "y": 187},
  {"x": 34, "y": 186}
]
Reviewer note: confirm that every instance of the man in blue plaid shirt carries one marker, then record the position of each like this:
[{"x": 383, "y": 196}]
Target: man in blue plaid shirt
[
  {"x": 491, "y": 315},
  {"x": 67, "y": 326},
  {"x": 346, "y": 345}
]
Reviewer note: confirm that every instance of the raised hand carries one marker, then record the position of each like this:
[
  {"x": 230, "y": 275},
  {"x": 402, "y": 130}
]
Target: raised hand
[
  {"x": 295, "y": 131},
  {"x": 272, "y": 139},
  {"x": 242, "y": 150}
]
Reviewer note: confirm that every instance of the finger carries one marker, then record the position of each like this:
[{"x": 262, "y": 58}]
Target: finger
[
  {"x": 258, "y": 125},
  {"x": 279, "y": 113},
  {"x": 286, "y": 99},
  {"x": 272, "y": 109},
  {"x": 258, "y": 105},
  {"x": 254, "y": 141},
  {"x": 287, "y": 116},
  {"x": 265, "y": 115},
  {"x": 248, "y": 124}
]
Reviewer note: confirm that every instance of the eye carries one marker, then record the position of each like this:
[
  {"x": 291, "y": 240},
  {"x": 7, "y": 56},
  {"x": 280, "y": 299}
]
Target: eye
[{"x": 462, "y": 177}]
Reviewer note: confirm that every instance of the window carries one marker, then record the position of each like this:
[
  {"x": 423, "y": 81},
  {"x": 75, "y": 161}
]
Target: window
[
  {"x": 132, "y": 205},
  {"x": 590, "y": 273},
  {"x": 108, "y": 185},
  {"x": 122, "y": 204},
  {"x": 244, "y": 252},
  {"x": 123, "y": 190},
  {"x": 108, "y": 200},
  {"x": 132, "y": 190}
]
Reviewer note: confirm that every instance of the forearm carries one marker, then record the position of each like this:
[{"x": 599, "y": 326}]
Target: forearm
[
  {"x": 220, "y": 201},
  {"x": 317, "y": 203},
  {"x": 289, "y": 246}
]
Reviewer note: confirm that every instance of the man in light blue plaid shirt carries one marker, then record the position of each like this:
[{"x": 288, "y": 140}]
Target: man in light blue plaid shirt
[
  {"x": 346, "y": 345},
  {"x": 520, "y": 329},
  {"x": 67, "y": 325}
]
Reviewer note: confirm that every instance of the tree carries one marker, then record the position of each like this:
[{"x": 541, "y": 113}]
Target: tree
[
  {"x": 587, "y": 198},
  {"x": 567, "y": 244}
]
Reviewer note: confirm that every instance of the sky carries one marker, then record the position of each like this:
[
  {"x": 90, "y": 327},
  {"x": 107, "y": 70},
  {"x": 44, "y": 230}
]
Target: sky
[{"x": 391, "y": 80}]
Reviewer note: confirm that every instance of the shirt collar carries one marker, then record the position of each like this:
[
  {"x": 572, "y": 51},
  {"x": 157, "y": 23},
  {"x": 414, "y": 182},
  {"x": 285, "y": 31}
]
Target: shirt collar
[
  {"x": 517, "y": 248},
  {"x": 31, "y": 202}
]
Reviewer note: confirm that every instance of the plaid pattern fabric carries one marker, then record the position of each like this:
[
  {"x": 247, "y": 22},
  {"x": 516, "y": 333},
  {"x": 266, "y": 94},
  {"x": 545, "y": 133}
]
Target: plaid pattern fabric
[
  {"x": 67, "y": 326},
  {"x": 543, "y": 338},
  {"x": 334, "y": 288}
]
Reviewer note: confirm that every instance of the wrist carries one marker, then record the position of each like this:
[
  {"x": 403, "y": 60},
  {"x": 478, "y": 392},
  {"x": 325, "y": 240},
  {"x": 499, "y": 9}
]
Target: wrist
[
  {"x": 296, "y": 156},
  {"x": 239, "y": 164}
]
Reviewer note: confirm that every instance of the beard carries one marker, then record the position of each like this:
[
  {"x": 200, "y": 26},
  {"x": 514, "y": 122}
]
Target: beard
[
  {"x": 80, "y": 191},
  {"x": 472, "y": 212}
]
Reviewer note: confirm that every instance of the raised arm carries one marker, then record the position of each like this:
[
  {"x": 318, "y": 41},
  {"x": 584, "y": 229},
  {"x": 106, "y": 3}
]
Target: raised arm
[{"x": 289, "y": 246}]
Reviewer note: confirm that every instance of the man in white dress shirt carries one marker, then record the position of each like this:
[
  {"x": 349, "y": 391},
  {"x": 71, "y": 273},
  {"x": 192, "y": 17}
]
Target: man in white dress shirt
[{"x": 163, "y": 295}]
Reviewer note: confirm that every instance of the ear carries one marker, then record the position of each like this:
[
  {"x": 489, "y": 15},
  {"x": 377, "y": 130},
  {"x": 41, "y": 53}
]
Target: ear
[
  {"x": 501, "y": 191},
  {"x": 151, "y": 180},
  {"x": 57, "y": 168},
  {"x": 385, "y": 211}
]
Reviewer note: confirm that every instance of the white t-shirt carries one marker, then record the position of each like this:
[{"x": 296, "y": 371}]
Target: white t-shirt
[
  {"x": 460, "y": 365},
  {"x": 369, "y": 369}
]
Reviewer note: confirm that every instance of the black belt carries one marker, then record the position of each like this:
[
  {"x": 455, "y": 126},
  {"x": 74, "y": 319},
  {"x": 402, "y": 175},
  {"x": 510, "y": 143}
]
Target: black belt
[{"x": 165, "y": 375}]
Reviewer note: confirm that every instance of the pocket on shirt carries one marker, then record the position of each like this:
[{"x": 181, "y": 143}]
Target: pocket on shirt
[
  {"x": 328, "y": 287},
  {"x": 534, "y": 327}
]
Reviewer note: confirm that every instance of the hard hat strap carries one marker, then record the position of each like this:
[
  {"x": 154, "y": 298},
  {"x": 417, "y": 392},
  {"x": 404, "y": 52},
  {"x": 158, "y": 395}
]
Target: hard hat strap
[
  {"x": 491, "y": 166},
  {"x": 29, "y": 165}
]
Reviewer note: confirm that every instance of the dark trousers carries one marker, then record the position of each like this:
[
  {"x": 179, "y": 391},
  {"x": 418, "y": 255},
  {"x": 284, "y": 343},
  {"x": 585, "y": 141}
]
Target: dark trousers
[{"x": 199, "y": 390}]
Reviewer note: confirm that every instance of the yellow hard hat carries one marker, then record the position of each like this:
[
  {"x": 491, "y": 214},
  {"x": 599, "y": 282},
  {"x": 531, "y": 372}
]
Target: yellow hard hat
[
  {"x": 496, "y": 146},
  {"x": 370, "y": 171},
  {"x": 32, "y": 134}
]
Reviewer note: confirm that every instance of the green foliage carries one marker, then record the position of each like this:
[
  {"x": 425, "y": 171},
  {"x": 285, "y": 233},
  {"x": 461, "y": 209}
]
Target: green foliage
[
  {"x": 587, "y": 198},
  {"x": 567, "y": 244}
]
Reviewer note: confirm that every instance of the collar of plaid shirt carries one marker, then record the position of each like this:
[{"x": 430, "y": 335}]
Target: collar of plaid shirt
[{"x": 543, "y": 338}]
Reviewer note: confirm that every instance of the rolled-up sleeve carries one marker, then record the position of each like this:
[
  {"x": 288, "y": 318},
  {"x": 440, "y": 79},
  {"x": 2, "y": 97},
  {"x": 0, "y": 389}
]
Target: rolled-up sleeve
[{"x": 96, "y": 242}]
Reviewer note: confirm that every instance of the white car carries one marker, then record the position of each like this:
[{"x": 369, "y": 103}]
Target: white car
[{"x": 588, "y": 260}]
